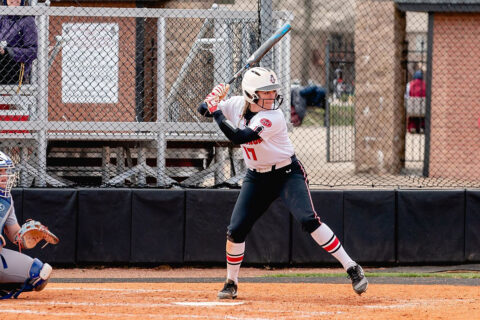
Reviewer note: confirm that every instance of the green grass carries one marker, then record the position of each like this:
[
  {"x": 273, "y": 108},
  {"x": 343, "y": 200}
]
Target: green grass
[
  {"x": 459, "y": 275},
  {"x": 339, "y": 116}
]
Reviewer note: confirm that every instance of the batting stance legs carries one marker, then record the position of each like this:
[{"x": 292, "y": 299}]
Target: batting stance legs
[
  {"x": 258, "y": 191},
  {"x": 21, "y": 273}
]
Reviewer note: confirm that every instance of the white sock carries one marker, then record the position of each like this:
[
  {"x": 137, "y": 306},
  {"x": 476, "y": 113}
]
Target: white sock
[
  {"x": 235, "y": 253},
  {"x": 325, "y": 237}
]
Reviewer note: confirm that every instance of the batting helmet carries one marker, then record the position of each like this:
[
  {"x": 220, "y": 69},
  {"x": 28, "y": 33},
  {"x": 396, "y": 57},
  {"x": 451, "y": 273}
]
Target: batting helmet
[
  {"x": 259, "y": 79},
  {"x": 7, "y": 175}
]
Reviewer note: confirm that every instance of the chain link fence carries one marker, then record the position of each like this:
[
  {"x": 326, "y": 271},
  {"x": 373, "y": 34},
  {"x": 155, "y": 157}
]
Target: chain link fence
[{"x": 377, "y": 93}]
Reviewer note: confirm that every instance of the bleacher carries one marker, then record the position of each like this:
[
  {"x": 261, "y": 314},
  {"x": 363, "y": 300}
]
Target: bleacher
[{"x": 58, "y": 145}]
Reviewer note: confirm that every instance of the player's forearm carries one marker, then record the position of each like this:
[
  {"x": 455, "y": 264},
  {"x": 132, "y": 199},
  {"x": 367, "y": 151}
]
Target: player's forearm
[
  {"x": 236, "y": 135},
  {"x": 11, "y": 231}
]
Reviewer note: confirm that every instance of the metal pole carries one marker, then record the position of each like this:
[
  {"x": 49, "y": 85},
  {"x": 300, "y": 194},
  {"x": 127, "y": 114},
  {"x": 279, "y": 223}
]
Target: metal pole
[
  {"x": 120, "y": 160},
  {"x": 223, "y": 55},
  {"x": 161, "y": 64},
  {"x": 428, "y": 98},
  {"x": 105, "y": 164},
  {"x": 220, "y": 173},
  {"x": 282, "y": 62},
  {"x": 23, "y": 161},
  {"x": 266, "y": 29},
  {"x": 246, "y": 45},
  {"x": 139, "y": 68},
  {"x": 327, "y": 93},
  {"x": 42, "y": 98},
  {"x": 141, "y": 163}
]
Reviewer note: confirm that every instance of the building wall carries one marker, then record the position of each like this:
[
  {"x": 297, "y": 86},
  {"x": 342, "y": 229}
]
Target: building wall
[
  {"x": 455, "y": 107},
  {"x": 380, "y": 83}
]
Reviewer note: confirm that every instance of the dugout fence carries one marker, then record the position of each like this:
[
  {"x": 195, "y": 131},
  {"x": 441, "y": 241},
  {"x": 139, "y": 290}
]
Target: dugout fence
[{"x": 111, "y": 100}]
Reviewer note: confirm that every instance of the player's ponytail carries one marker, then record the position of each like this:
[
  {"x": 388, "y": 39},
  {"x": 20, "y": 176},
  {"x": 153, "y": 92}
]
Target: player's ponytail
[{"x": 244, "y": 111}]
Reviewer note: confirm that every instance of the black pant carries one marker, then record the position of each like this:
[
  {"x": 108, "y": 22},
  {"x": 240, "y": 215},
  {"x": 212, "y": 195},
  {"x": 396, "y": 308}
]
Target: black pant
[
  {"x": 259, "y": 190},
  {"x": 9, "y": 70}
]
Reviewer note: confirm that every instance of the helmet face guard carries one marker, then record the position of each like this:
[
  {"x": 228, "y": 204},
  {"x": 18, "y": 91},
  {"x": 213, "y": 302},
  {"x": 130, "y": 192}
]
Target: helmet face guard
[
  {"x": 7, "y": 175},
  {"x": 261, "y": 79},
  {"x": 277, "y": 102}
]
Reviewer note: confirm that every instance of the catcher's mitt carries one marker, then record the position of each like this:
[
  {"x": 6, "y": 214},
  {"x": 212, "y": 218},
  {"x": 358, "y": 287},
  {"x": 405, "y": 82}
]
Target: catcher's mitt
[{"x": 31, "y": 233}]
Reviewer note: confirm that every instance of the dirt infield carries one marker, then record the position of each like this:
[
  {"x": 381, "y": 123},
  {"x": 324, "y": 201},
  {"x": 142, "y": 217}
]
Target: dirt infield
[{"x": 125, "y": 298}]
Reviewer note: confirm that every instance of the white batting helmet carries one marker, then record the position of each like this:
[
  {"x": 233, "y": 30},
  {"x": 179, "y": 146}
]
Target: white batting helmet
[
  {"x": 7, "y": 175},
  {"x": 258, "y": 79}
]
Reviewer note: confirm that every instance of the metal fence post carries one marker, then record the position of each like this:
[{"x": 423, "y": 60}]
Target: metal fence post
[
  {"x": 327, "y": 93},
  {"x": 266, "y": 29},
  {"x": 161, "y": 143},
  {"x": 42, "y": 98}
]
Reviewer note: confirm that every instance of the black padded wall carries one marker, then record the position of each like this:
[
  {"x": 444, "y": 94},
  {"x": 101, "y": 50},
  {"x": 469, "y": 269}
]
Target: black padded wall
[
  {"x": 329, "y": 206},
  {"x": 104, "y": 225},
  {"x": 207, "y": 215},
  {"x": 56, "y": 209},
  {"x": 431, "y": 226},
  {"x": 269, "y": 240},
  {"x": 157, "y": 226},
  {"x": 472, "y": 226},
  {"x": 174, "y": 226},
  {"x": 369, "y": 225}
]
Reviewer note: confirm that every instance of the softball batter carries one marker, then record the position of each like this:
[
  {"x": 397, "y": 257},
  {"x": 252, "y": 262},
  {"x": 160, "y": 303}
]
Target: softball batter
[
  {"x": 255, "y": 122},
  {"x": 18, "y": 272}
]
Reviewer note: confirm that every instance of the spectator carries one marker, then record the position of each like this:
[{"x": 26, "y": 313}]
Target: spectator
[
  {"x": 416, "y": 88},
  {"x": 301, "y": 97},
  {"x": 18, "y": 46},
  {"x": 339, "y": 86},
  {"x": 314, "y": 95}
]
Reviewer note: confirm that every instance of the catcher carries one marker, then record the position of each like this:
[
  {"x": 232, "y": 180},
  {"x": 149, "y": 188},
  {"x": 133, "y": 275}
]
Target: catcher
[{"x": 19, "y": 272}]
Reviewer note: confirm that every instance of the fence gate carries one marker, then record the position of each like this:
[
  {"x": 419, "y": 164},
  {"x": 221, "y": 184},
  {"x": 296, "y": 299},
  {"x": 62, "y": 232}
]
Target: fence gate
[
  {"x": 340, "y": 109},
  {"x": 415, "y": 60}
]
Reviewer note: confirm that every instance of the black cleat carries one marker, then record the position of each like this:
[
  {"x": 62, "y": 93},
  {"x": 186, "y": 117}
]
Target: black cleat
[
  {"x": 359, "y": 281},
  {"x": 229, "y": 290}
]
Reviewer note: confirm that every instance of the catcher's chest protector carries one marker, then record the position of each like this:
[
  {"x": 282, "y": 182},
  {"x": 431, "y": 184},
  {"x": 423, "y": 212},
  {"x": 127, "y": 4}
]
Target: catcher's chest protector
[{"x": 5, "y": 204}]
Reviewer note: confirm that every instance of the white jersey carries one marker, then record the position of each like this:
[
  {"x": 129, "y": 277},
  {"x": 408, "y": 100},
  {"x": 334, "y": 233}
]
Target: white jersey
[{"x": 274, "y": 144}]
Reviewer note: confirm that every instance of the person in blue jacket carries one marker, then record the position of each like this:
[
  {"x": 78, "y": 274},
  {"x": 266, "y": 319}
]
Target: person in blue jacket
[{"x": 301, "y": 98}]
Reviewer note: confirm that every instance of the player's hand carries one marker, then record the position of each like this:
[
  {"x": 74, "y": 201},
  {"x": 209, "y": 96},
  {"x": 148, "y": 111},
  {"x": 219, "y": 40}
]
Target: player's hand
[
  {"x": 2, "y": 242},
  {"x": 218, "y": 94}
]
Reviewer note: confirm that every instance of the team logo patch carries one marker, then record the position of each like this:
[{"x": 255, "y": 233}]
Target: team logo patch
[
  {"x": 272, "y": 78},
  {"x": 267, "y": 123},
  {"x": 2, "y": 207}
]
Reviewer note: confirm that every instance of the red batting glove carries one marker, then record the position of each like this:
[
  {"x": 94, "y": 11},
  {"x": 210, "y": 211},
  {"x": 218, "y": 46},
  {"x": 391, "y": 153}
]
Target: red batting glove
[
  {"x": 212, "y": 104},
  {"x": 218, "y": 94}
]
